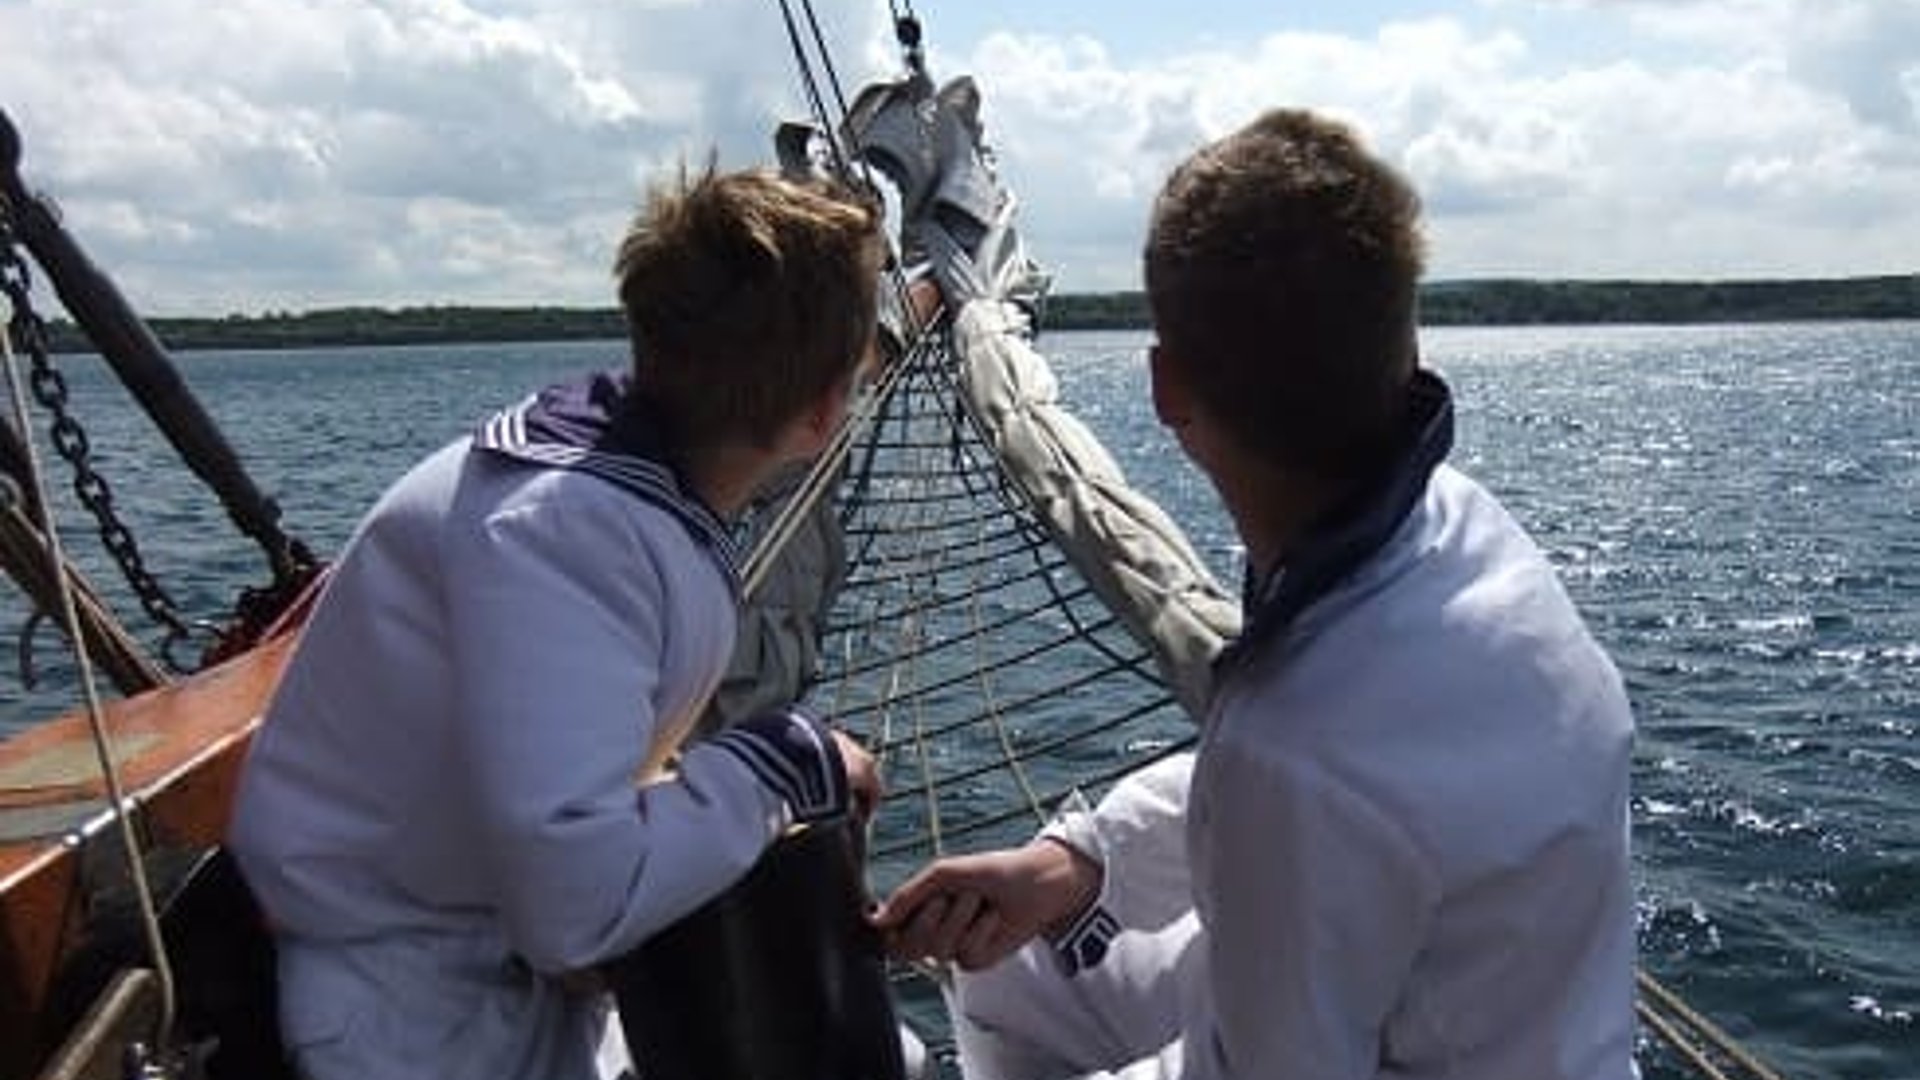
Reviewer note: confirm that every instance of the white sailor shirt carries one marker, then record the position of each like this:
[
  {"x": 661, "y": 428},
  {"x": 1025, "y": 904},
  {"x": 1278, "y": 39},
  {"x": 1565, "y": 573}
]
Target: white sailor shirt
[{"x": 440, "y": 809}]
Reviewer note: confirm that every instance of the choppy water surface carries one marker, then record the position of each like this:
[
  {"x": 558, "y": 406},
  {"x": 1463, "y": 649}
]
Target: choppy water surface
[{"x": 1737, "y": 510}]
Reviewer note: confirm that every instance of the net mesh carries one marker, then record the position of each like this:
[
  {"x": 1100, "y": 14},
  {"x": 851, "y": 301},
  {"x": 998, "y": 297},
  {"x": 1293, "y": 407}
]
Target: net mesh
[{"x": 965, "y": 648}]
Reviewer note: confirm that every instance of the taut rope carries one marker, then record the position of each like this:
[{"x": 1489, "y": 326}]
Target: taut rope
[{"x": 96, "y": 720}]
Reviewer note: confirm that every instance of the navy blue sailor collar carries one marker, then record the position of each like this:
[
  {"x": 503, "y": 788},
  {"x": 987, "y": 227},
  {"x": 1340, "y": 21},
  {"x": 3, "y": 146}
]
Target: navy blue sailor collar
[
  {"x": 598, "y": 426},
  {"x": 1353, "y": 531}
]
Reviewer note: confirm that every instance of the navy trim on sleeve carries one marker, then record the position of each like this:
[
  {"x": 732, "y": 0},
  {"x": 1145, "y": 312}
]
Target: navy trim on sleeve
[
  {"x": 1086, "y": 942},
  {"x": 794, "y": 756}
]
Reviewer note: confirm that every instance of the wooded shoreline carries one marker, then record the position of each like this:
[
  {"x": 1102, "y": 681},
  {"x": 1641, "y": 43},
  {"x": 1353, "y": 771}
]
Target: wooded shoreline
[{"x": 1447, "y": 303}]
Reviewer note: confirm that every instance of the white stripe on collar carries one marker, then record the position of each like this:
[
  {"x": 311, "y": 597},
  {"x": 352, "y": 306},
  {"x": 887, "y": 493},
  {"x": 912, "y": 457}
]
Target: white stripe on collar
[{"x": 506, "y": 433}]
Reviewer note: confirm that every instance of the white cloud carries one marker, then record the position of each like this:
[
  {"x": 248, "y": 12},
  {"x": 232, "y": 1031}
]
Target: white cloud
[
  {"x": 294, "y": 153},
  {"x": 1761, "y": 155},
  {"x": 1859, "y": 51}
]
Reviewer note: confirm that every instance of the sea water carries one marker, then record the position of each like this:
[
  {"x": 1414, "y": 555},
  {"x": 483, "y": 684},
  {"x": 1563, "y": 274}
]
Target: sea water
[{"x": 1735, "y": 509}]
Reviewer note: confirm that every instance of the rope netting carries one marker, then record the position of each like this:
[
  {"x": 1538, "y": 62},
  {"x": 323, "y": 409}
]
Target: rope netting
[{"x": 964, "y": 647}]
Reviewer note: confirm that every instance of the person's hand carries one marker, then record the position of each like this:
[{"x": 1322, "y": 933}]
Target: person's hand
[
  {"x": 975, "y": 910},
  {"x": 863, "y": 776}
]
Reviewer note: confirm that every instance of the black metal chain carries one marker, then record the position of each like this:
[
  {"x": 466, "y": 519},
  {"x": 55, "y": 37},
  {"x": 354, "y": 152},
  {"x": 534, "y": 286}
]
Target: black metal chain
[{"x": 49, "y": 387}]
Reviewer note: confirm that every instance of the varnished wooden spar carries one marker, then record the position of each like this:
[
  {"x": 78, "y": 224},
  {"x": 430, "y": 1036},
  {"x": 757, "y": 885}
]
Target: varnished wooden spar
[
  {"x": 179, "y": 749},
  {"x": 779, "y": 978}
]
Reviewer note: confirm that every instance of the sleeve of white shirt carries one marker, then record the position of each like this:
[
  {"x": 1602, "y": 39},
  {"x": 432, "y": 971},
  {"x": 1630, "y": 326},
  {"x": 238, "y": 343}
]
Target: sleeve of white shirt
[
  {"x": 1315, "y": 904},
  {"x": 1138, "y": 835},
  {"x": 557, "y": 640}
]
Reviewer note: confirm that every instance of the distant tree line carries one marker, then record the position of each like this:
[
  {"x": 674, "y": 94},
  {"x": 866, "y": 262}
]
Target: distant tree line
[
  {"x": 1523, "y": 302},
  {"x": 374, "y": 326},
  {"x": 1447, "y": 303}
]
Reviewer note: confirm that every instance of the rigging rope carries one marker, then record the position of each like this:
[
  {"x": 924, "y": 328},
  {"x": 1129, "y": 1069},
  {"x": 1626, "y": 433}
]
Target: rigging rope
[
  {"x": 121, "y": 808},
  {"x": 1691, "y": 1035},
  {"x": 830, "y": 128}
]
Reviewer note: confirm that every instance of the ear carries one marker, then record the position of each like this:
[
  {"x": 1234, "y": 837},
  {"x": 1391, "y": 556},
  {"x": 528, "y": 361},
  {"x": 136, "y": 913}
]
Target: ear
[
  {"x": 1170, "y": 400},
  {"x": 816, "y": 424}
]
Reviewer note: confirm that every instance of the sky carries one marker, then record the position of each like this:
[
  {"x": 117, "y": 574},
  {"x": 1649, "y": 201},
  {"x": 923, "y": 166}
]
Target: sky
[{"x": 255, "y": 155}]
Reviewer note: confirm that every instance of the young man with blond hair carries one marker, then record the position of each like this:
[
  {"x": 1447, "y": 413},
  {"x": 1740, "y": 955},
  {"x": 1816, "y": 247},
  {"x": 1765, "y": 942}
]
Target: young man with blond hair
[
  {"x": 1401, "y": 847},
  {"x": 442, "y": 816}
]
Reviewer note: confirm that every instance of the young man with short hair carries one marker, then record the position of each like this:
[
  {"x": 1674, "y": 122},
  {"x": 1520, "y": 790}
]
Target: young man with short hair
[
  {"x": 1403, "y": 838},
  {"x": 443, "y": 815}
]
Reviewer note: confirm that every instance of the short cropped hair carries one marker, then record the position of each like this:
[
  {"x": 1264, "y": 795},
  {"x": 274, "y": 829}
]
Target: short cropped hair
[
  {"x": 748, "y": 297},
  {"x": 1282, "y": 266}
]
